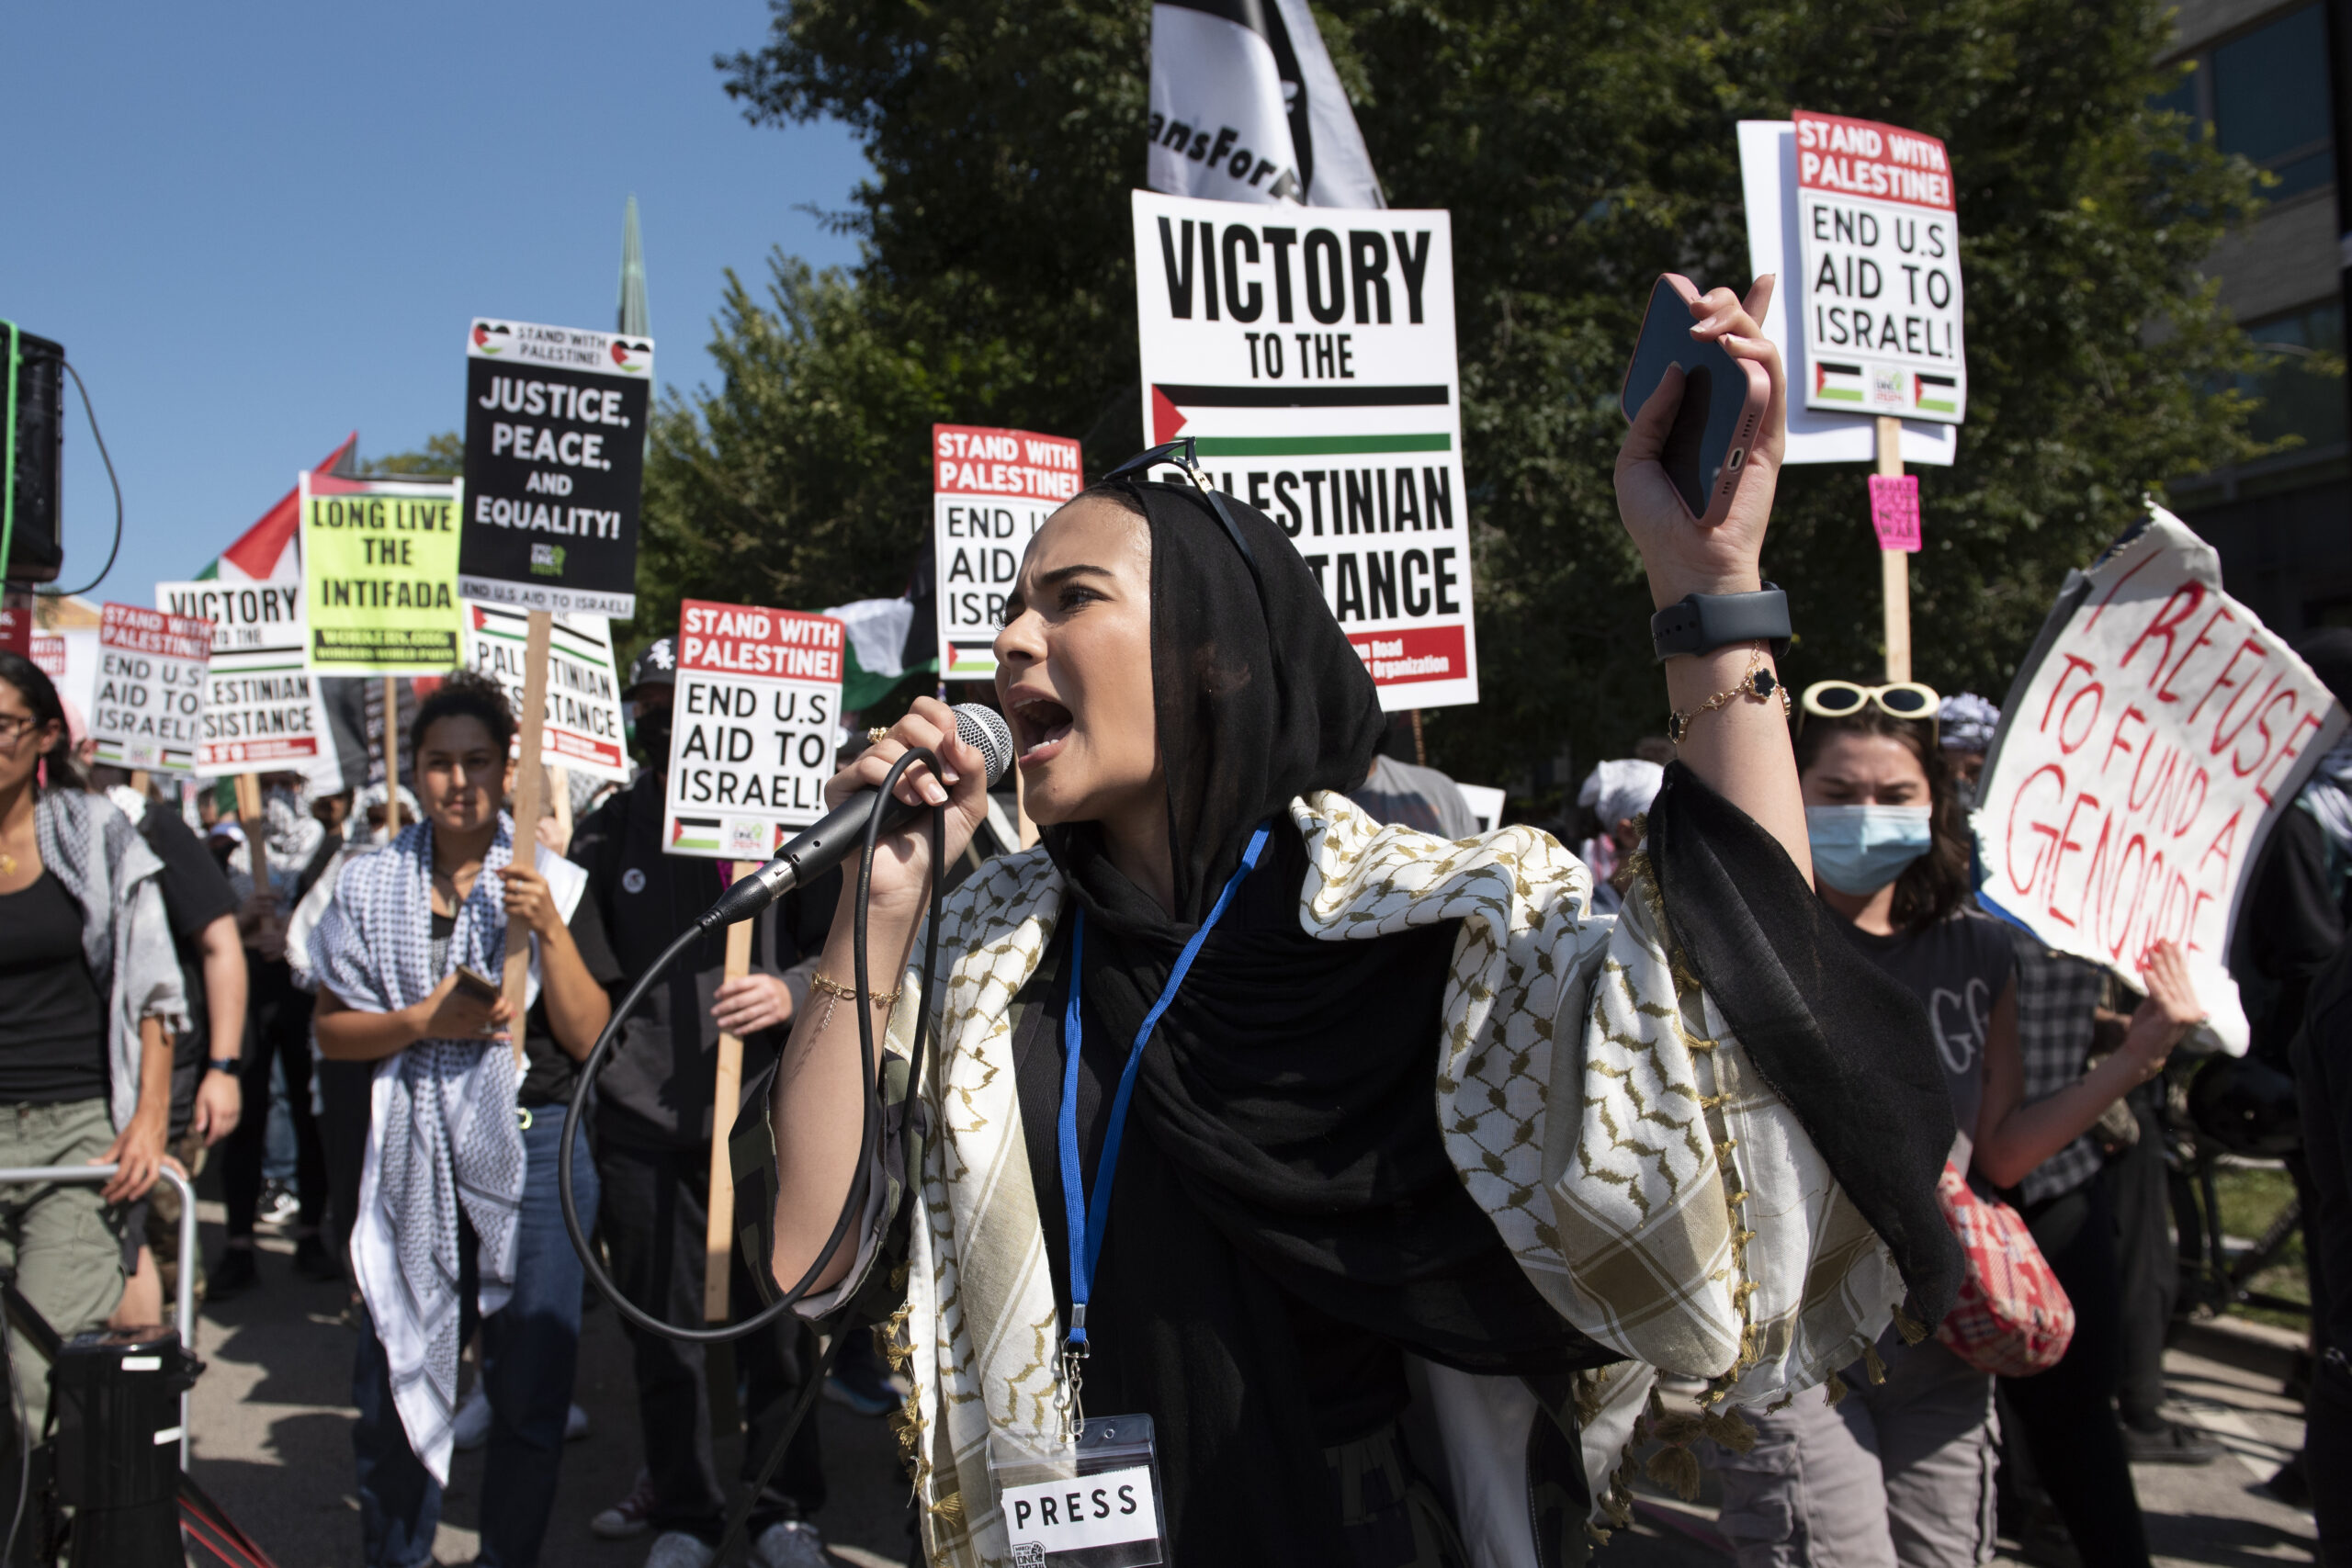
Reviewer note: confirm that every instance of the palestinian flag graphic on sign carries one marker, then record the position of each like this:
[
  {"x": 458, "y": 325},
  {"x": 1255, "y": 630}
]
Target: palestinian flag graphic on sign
[
  {"x": 1842, "y": 382},
  {"x": 1934, "y": 393},
  {"x": 695, "y": 833}
]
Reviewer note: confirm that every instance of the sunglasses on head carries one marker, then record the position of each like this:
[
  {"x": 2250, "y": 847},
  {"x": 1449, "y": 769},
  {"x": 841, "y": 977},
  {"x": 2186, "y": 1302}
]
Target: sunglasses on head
[
  {"x": 1182, "y": 455},
  {"x": 1900, "y": 699}
]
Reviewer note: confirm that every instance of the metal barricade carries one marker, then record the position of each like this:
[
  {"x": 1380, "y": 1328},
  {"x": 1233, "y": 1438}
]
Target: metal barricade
[{"x": 185, "y": 1308}]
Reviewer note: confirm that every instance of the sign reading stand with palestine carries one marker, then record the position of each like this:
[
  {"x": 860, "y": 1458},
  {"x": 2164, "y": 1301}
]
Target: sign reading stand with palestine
[
  {"x": 990, "y": 491},
  {"x": 555, "y": 455},
  {"x": 261, "y": 707},
  {"x": 1881, "y": 285},
  {"x": 149, "y": 709},
  {"x": 583, "y": 726},
  {"x": 379, "y": 561},
  {"x": 753, "y": 730},
  {"x": 1310, "y": 352}
]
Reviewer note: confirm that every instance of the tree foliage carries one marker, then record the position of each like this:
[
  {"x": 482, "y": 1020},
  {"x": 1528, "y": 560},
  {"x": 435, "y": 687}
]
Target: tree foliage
[
  {"x": 443, "y": 456},
  {"x": 1582, "y": 148}
]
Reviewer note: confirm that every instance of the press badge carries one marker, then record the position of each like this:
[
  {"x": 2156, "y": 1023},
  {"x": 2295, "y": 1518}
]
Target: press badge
[{"x": 1091, "y": 1503}]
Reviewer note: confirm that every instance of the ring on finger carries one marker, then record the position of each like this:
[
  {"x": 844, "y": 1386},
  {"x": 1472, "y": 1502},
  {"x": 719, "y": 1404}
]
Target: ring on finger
[{"x": 878, "y": 733}]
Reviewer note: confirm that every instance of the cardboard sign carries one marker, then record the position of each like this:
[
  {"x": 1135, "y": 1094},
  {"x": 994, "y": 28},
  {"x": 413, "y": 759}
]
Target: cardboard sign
[
  {"x": 380, "y": 569},
  {"x": 1880, "y": 286},
  {"x": 1894, "y": 510},
  {"x": 583, "y": 726},
  {"x": 1311, "y": 354},
  {"x": 2152, "y": 738},
  {"x": 49, "y": 656},
  {"x": 751, "y": 736},
  {"x": 149, "y": 709},
  {"x": 555, "y": 462},
  {"x": 262, "y": 712},
  {"x": 990, "y": 491}
]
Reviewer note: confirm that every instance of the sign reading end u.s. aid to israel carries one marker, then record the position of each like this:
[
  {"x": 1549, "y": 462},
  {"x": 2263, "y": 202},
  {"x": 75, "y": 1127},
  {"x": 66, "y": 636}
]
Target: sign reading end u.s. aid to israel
[
  {"x": 555, "y": 465},
  {"x": 1309, "y": 351},
  {"x": 1879, "y": 291},
  {"x": 753, "y": 728},
  {"x": 991, "y": 490}
]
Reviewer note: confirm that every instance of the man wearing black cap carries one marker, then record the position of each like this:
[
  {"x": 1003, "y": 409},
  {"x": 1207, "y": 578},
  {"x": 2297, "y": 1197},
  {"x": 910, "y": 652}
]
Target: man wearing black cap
[{"x": 653, "y": 1128}]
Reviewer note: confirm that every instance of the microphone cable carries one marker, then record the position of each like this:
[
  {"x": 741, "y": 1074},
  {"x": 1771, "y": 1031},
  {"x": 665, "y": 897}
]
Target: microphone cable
[{"x": 869, "y": 1132}]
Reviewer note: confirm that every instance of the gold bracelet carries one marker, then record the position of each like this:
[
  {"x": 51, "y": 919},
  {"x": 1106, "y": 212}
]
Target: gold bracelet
[
  {"x": 834, "y": 990},
  {"x": 1759, "y": 684}
]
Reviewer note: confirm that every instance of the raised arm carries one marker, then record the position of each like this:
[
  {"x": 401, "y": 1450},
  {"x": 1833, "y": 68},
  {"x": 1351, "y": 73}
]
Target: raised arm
[{"x": 1741, "y": 749}]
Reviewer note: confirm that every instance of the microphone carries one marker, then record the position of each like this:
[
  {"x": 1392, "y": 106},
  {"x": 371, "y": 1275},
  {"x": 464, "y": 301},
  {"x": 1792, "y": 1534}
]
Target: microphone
[{"x": 842, "y": 830}]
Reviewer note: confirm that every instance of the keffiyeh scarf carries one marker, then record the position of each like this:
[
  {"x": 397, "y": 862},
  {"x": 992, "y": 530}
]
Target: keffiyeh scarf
[
  {"x": 2328, "y": 797},
  {"x": 443, "y": 1135}
]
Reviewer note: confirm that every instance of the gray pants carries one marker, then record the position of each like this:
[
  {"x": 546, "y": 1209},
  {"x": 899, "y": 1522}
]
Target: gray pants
[{"x": 1896, "y": 1474}]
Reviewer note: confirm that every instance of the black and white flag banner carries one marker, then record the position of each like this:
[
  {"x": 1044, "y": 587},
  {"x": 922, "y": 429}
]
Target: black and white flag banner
[{"x": 1245, "y": 107}]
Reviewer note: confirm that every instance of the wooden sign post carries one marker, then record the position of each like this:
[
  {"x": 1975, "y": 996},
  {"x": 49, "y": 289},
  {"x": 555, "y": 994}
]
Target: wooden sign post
[
  {"x": 1895, "y": 566},
  {"x": 726, "y": 1089},
  {"x": 250, "y": 820},
  {"x": 391, "y": 755},
  {"x": 530, "y": 792}
]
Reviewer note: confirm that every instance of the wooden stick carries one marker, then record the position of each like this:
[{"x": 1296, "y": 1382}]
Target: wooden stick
[
  {"x": 530, "y": 790},
  {"x": 1420, "y": 744},
  {"x": 727, "y": 1087},
  {"x": 1895, "y": 566},
  {"x": 560, "y": 786},
  {"x": 139, "y": 783},
  {"x": 391, "y": 754},
  {"x": 250, "y": 818}
]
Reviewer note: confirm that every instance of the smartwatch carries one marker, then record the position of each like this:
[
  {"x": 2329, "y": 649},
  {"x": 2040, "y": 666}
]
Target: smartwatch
[
  {"x": 1701, "y": 622},
  {"x": 233, "y": 1066}
]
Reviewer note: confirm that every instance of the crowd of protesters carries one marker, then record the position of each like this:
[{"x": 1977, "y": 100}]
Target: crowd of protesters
[{"x": 160, "y": 1003}]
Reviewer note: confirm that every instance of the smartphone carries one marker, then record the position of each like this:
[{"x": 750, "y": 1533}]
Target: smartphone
[
  {"x": 1723, "y": 400},
  {"x": 473, "y": 982}
]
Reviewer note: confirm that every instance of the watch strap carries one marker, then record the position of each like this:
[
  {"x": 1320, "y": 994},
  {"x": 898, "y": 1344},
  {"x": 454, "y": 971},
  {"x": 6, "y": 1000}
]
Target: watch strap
[
  {"x": 1701, "y": 622},
  {"x": 226, "y": 1063}
]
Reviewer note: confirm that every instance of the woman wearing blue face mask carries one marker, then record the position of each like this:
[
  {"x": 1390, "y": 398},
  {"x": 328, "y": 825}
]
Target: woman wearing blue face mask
[{"x": 1901, "y": 1470}]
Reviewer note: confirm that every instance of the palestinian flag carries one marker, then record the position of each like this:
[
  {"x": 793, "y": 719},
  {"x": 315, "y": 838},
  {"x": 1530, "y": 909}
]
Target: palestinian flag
[
  {"x": 889, "y": 641},
  {"x": 1837, "y": 383},
  {"x": 1938, "y": 394},
  {"x": 694, "y": 833},
  {"x": 269, "y": 551}
]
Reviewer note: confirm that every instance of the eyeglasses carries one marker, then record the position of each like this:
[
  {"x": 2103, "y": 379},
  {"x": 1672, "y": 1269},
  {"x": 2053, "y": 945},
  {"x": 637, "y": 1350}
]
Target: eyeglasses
[
  {"x": 14, "y": 726},
  {"x": 1843, "y": 699},
  {"x": 1182, "y": 455}
]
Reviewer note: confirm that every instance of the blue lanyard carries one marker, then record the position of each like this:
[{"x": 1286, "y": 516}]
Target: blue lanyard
[{"x": 1089, "y": 1221}]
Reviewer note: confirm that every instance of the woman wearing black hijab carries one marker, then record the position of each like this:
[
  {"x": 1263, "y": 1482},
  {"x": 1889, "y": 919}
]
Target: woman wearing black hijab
[{"x": 1351, "y": 1173}]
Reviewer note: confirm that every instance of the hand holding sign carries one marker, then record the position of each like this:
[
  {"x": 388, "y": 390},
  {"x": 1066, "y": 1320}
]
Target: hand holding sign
[
  {"x": 2171, "y": 1011},
  {"x": 1682, "y": 557}
]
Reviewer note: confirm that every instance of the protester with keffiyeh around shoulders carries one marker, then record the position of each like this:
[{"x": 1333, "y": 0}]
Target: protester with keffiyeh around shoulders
[{"x": 459, "y": 1220}]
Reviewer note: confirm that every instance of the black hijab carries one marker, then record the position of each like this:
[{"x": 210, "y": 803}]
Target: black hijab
[{"x": 1284, "y": 1217}]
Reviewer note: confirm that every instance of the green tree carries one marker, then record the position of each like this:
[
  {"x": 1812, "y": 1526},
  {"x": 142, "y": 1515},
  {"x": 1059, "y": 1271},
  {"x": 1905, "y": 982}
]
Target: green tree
[
  {"x": 443, "y": 456},
  {"x": 1582, "y": 148}
]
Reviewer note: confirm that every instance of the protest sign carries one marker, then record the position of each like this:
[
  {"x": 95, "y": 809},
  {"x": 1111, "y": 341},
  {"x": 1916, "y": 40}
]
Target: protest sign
[
  {"x": 149, "y": 709},
  {"x": 582, "y": 728},
  {"x": 1880, "y": 286},
  {"x": 1767, "y": 174},
  {"x": 990, "y": 491},
  {"x": 49, "y": 656},
  {"x": 753, "y": 731},
  {"x": 2152, "y": 739},
  {"x": 262, "y": 712},
  {"x": 1311, "y": 354},
  {"x": 1894, "y": 510},
  {"x": 555, "y": 457},
  {"x": 379, "y": 567}
]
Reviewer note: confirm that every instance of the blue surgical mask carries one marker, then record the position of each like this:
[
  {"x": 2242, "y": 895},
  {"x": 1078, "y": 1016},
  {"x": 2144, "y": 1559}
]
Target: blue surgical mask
[{"x": 1861, "y": 849}]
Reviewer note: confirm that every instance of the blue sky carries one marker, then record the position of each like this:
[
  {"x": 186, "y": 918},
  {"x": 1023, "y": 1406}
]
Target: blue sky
[{"x": 256, "y": 227}]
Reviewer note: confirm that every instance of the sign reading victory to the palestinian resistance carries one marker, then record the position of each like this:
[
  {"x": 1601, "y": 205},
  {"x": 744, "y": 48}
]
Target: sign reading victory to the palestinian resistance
[
  {"x": 583, "y": 726},
  {"x": 1310, "y": 354},
  {"x": 149, "y": 709},
  {"x": 990, "y": 491},
  {"x": 262, "y": 712},
  {"x": 1879, "y": 290},
  {"x": 379, "y": 575},
  {"x": 752, "y": 732},
  {"x": 2154, "y": 735},
  {"x": 555, "y": 460}
]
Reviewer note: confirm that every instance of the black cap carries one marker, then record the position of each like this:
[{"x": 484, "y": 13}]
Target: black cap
[{"x": 657, "y": 666}]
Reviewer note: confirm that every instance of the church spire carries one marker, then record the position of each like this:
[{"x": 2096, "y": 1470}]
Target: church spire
[{"x": 634, "y": 321}]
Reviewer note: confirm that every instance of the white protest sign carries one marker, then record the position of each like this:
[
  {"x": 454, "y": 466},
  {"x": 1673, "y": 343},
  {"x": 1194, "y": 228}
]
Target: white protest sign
[
  {"x": 262, "y": 712},
  {"x": 583, "y": 729},
  {"x": 1767, "y": 172},
  {"x": 2155, "y": 737},
  {"x": 149, "y": 712},
  {"x": 1310, "y": 352},
  {"x": 753, "y": 731},
  {"x": 990, "y": 491}
]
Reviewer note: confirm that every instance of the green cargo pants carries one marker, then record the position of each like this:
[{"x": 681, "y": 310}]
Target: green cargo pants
[{"x": 64, "y": 1244}]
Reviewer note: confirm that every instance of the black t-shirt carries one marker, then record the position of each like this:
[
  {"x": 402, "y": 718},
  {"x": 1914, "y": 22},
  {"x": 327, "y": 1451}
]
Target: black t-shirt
[
  {"x": 196, "y": 894},
  {"x": 550, "y": 1074},
  {"x": 52, "y": 1020},
  {"x": 1958, "y": 968}
]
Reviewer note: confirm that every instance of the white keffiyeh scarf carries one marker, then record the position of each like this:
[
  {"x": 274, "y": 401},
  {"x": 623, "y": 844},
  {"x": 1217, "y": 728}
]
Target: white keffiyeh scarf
[{"x": 443, "y": 1133}]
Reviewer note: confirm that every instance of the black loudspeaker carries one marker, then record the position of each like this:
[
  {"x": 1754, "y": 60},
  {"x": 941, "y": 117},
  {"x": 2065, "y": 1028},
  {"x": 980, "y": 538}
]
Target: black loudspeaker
[
  {"x": 35, "y": 482},
  {"x": 116, "y": 1397}
]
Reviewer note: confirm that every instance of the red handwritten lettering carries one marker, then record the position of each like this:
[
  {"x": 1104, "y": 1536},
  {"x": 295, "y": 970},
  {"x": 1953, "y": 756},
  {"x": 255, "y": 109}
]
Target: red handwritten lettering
[
  {"x": 2193, "y": 593},
  {"x": 2305, "y": 725},
  {"x": 2066, "y": 840},
  {"x": 2057, "y": 775}
]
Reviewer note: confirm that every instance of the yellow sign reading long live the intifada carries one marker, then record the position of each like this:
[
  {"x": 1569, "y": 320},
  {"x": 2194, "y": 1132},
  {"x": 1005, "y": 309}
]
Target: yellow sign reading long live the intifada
[{"x": 379, "y": 575}]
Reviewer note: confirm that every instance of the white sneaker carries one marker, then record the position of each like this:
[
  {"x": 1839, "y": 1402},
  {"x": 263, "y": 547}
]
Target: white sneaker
[
  {"x": 790, "y": 1543},
  {"x": 630, "y": 1518},
  {"x": 575, "y": 1425},
  {"x": 676, "y": 1549},
  {"x": 470, "y": 1430}
]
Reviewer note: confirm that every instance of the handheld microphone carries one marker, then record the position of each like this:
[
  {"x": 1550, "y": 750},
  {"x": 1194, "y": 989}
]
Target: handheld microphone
[{"x": 843, "y": 830}]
